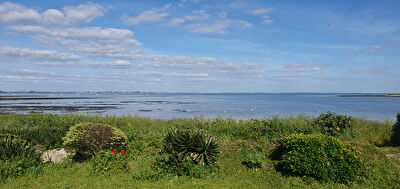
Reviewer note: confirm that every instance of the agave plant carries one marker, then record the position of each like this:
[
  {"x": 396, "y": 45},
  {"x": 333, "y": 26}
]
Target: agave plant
[
  {"x": 12, "y": 146},
  {"x": 195, "y": 145}
]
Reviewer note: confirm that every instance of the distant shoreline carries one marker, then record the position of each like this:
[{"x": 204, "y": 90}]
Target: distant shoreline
[{"x": 386, "y": 95}]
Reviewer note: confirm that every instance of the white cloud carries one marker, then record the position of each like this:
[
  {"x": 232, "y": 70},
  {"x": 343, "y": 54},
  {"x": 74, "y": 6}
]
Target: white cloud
[
  {"x": 329, "y": 46},
  {"x": 261, "y": 11},
  {"x": 237, "y": 5},
  {"x": 89, "y": 33},
  {"x": 92, "y": 41},
  {"x": 373, "y": 50},
  {"x": 75, "y": 15},
  {"x": 374, "y": 71},
  {"x": 218, "y": 27},
  {"x": 303, "y": 67},
  {"x": 8, "y": 53},
  {"x": 196, "y": 63},
  {"x": 176, "y": 21},
  {"x": 117, "y": 49},
  {"x": 197, "y": 15},
  {"x": 113, "y": 64},
  {"x": 244, "y": 23},
  {"x": 267, "y": 20},
  {"x": 153, "y": 15},
  {"x": 14, "y": 13},
  {"x": 25, "y": 72},
  {"x": 161, "y": 74},
  {"x": 53, "y": 17}
]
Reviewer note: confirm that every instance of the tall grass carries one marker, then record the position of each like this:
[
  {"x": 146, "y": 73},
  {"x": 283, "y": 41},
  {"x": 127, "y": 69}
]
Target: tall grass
[{"x": 146, "y": 135}]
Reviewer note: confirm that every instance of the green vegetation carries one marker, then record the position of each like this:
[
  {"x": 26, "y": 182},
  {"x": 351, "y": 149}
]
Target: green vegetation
[
  {"x": 395, "y": 140},
  {"x": 189, "y": 152},
  {"x": 246, "y": 159},
  {"x": 90, "y": 138},
  {"x": 110, "y": 163},
  {"x": 319, "y": 156},
  {"x": 17, "y": 156},
  {"x": 333, "y": 124}
]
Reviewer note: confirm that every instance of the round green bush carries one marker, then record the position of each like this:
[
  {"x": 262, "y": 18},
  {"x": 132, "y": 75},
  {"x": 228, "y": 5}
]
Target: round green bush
[
  {"x": 333, "y": 124},
  {"x": 17, "y": 156},
  {"x": 88, "y": 139},
  {"x": 323, "y": 157}
]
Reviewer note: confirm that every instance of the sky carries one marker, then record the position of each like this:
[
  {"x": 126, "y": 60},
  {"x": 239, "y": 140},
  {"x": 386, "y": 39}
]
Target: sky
[{"x": 200, "y": 46}]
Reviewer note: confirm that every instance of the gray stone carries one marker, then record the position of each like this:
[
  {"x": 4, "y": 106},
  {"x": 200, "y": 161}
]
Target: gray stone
[{"x": 55, "y": 155}]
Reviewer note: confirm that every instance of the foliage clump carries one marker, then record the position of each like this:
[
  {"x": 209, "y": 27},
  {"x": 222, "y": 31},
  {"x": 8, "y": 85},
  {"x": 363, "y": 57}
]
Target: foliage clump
[
  {"x": 189, "y": 152},
  {"x": 17, "y": 156},
  {"x": 322, "y": 157},
  {"x": 252, "y": 159},
  {"x": 333, "y": 124},
  {"x": 88, "y": 139},
  {"x": 109, "y": 163},
  {"x": 395, "y": 139}
]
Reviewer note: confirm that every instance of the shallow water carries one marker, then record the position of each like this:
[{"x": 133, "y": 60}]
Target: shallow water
[{"x": 185, "y": 105}]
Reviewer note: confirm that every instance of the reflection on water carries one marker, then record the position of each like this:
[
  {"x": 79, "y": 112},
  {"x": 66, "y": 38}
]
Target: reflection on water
[{"x": 183, "y": 105}]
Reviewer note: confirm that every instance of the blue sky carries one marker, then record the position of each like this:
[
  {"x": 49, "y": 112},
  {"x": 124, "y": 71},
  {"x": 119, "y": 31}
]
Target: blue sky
[{"x": 200, "y": 46}]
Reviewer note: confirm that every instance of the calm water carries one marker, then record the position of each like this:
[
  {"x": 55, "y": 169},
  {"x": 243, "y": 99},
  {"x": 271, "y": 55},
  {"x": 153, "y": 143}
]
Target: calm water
[{"x": 181, "y": 105}]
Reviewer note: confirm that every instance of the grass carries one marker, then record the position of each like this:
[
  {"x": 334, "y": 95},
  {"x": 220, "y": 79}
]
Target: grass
[{"x": 146, "y": 135}]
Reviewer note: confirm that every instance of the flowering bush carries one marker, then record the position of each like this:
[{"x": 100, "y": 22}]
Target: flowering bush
[
  {"x": 110, "y": 163},
  {"x": 333, "y": 124}
]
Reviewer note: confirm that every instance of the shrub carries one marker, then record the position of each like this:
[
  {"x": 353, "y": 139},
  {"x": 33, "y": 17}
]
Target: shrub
[
  {"x": 323, "y": 157},
  {"x": 395, "y": 139},
  {"x": 88, "y": 139},
  {"x": 252, "y": 159},
  {"x": 110, "y": 163},
  {"x": 17, "y": 156},
  {"x": 189, "y": 152},
  {"x": 333, "y": 124}
]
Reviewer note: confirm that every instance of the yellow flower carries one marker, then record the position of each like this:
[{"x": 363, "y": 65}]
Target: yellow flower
[
  {"x": 337, "y": 128},
  {"x": 256, "y": 170}
]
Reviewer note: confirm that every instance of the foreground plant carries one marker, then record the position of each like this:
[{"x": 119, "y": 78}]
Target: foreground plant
[
  {"x": 17, "y": 156},
  {"x": 333, "y": 124},
  {"x": 189, "y": 152},
  {"x": 110, "y": 163},
  {"x": 195, "y": 145},
  {"x": 87, "y": 139},
  {"x": 322, "y": 157}
]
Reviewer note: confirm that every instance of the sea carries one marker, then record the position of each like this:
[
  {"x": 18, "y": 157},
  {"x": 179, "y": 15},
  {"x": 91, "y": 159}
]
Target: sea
[{"x": 207, "y": 105}]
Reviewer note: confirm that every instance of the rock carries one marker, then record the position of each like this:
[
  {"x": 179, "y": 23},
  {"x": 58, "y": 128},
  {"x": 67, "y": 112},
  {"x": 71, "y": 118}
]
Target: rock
[
  {"x": 55, "y": 155},
  {"x": 393, "y": 156}
]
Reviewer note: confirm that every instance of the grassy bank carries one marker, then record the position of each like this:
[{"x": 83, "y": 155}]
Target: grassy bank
[{"x": 236, "y": 138}]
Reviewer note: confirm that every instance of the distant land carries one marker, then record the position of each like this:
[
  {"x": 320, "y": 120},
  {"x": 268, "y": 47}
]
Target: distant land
[{"x": 365, "y": 95}]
